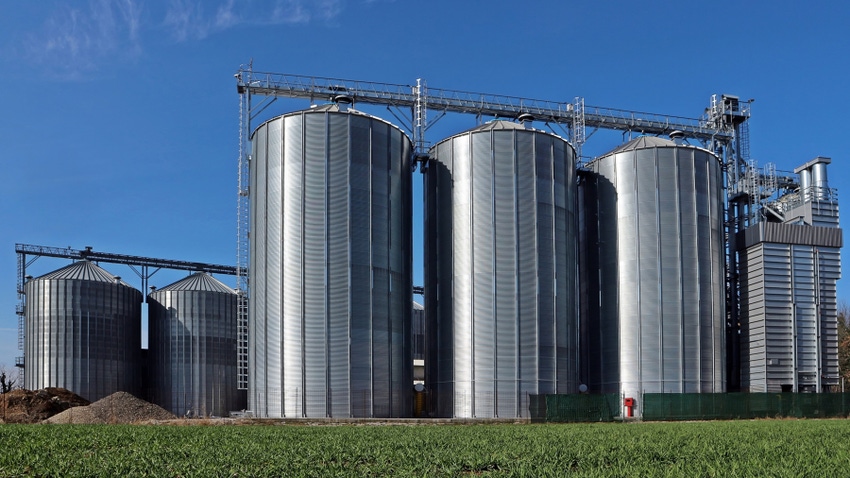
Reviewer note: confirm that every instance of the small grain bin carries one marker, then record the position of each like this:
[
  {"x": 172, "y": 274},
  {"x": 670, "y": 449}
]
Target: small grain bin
[
  {"x": 83, "y": 332},
  {"x": 192, "y": 345}
]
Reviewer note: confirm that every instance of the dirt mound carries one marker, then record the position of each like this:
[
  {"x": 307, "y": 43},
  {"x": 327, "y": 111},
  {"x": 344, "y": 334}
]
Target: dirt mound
[
  {"x": 120, "y": 407},
  {"x": 33, "y": 406}
]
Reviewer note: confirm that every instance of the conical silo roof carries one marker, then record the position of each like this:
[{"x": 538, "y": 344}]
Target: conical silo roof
[
  {"x": 497, "y": 124},
  {"x": 200, "y": 282},
  {"x": 643, "y": 142},
  {"x": 82, "y": 270}
]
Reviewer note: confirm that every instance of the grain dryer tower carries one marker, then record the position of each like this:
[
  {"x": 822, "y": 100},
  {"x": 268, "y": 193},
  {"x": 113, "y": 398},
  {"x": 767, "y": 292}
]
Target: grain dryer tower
[
  {"x": 330, "y": 267},
  {"x": 83, "y": 332},
  {"x": 500, "y": 269},
  {"x": 790, "y": 263},
  {"x": 652, "y": 262},
  {"x": 192, "y": 350}
]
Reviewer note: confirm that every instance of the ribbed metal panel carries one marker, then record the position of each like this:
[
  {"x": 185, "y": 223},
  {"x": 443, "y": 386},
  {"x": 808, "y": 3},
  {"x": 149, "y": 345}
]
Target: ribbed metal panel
[
  {"x": 272, "y": 257},
  {"x": 652, "y": 270},
  {"x": 792, "y": 234},
  {"x": 290, "y": 386},
  {"x": 815, "y": 212},
  {"x": 337, "y": 268},
  {"x": 439, "y": 237},
  {"x": 256, "y": 305},
  {"x": 361, "y": 261},
  {"x": 83, "y": 332},
  {"x": 192, "y": 340},
  {"x": 788, "y": 293},
  {"x": 330, "y": 267},
  {"x": 500, "y": 271},
  {"x": 315, "y": 296}
]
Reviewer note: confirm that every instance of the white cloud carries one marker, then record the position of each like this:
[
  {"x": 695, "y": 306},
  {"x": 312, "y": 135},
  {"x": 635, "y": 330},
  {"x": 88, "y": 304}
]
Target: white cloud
[
  {"x": 73, "y": 41},
  {"x": 331, "y": 9},
  {"x": 225, "y": 16},
  {"x": 76, "y": 39},
  {"x": 190, "y": 20},
  {"x": 131, "y": 15},
  {"x": 183, "y": 17}
]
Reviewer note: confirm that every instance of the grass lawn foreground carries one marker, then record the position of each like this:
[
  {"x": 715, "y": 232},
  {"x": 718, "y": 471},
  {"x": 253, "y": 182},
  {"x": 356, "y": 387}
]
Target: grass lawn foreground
[{"x": 723, "y": 448}]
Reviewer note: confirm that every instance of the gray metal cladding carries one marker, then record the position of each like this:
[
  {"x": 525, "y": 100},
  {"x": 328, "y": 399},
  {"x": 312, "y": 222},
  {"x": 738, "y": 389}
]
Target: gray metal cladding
[
  {"x": 799, "y": 234},
  {"x": 83, "y": 332},
  {"x": 330, "y": 267},
  {"x": 192, "y": 352},
  {"x": 652, "y": 271},
  {"x": 789, "y": 336},
  {"x": 500, "y": 271}
]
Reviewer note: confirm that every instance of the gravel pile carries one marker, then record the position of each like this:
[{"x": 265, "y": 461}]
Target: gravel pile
[
  {"x": 120, "y": 407},
  {"x": 33, "y": 406}
]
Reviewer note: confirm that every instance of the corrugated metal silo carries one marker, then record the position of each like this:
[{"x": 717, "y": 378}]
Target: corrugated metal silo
[
  {"x": 652, "y": 270},
  {"x": 500, "y": 270},
  {"x": 83, "y": 332},
  {"x": 330, "y": 267},
  {"x": 192, "y": 345}
]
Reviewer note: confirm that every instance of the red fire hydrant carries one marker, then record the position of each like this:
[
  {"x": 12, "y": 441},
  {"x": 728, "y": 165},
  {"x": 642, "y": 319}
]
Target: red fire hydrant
[{"x": 629, "y": 404}]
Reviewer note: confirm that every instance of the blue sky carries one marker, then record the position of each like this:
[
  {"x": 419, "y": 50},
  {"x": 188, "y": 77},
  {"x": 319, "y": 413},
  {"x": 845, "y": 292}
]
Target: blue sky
[{"x": 120, "y": 117}]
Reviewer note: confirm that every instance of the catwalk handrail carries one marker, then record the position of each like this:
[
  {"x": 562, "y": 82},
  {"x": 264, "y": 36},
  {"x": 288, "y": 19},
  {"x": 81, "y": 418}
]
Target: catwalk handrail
[
  {"x": 484, "y": 104},
  {"x": 88, "y": 253}
]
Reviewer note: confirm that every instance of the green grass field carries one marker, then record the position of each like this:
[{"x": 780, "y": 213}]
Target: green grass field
[{"x": 743, "y": 448}]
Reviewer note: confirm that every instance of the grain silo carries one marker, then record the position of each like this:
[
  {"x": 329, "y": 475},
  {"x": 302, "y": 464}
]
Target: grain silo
[
  {"x": 83, "y": 332},
  {"x": 192, "y": 347},
  {"x": 500, "y": 271},
  {"x": 330, "y": 267},
  {"x": 652, "y": 270}
]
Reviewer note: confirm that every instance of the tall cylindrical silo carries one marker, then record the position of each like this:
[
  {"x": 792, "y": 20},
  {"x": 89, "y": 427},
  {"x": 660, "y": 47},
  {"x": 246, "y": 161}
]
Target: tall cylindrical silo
[
  {"x": 652, "y": 270},
  {"x": 330, "y": 267},
  {"x": 82, "y": 332},
  {"x": 500, "y": 269},
  {"x": 192, "y": 347}
]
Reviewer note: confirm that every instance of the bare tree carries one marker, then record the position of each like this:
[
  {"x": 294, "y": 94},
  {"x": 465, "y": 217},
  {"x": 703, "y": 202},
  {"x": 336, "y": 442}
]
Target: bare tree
[
  {"x": 8, "y": 380},
  {"x": 844, "y": 340}
]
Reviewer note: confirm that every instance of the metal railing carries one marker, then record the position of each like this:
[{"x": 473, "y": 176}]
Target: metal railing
[{"x": 482, "y": 104}]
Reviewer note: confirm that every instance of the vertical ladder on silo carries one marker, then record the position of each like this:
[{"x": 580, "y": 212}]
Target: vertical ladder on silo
[
  {"x": 21, "y": 307},
  {"x": 578, "y": 126},
  {"x": 420, "y": 124},
  {"x": 242, "y": 209}
]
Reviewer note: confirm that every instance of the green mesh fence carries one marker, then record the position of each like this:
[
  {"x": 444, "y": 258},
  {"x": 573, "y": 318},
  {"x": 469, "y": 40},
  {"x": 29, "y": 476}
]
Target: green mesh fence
[
  {"x": 690, "y": 406},
  {"x": 727, "y": 406},
  {"x": 574, "y": 407}
]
